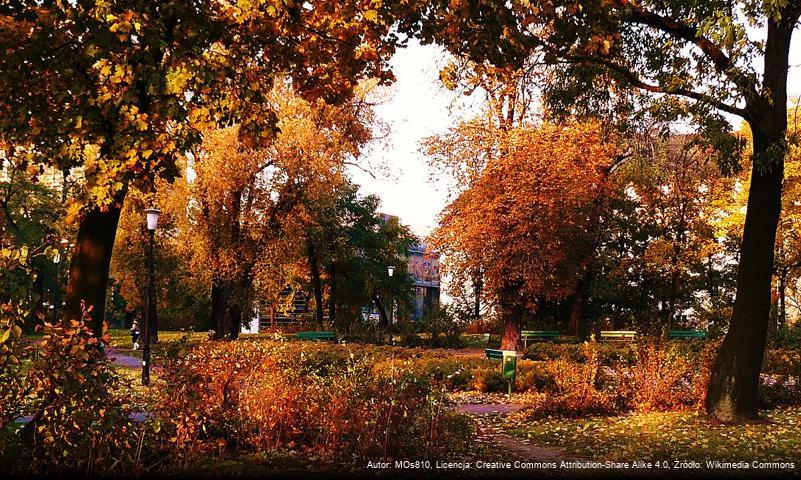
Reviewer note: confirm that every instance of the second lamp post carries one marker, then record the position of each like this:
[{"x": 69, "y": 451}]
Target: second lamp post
[
  {"x": 390, "y": 272},
  {"x": 152, "y": 223}
]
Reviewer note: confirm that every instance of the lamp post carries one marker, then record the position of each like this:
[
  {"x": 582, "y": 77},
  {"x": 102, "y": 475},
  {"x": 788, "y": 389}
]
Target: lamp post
[
  {"x": 152, "y": 222},
  {"x": 390, "y": 272},
  {"x": 57, "y": 289}
]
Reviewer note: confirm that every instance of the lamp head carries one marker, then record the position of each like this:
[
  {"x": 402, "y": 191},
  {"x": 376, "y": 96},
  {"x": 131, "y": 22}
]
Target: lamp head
[
  {"x": 152, "y": 218},
  {"x": 391, "y": 270}
]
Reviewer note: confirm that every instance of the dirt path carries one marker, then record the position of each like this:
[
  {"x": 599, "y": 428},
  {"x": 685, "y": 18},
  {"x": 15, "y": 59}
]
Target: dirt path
[
  {"x": 488, "y": 420},
  {"x": 122, "y": 360}
]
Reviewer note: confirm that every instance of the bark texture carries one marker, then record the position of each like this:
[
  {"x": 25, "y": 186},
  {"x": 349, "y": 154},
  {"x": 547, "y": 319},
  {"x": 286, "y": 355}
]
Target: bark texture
[{"x": 89, "y": 266}]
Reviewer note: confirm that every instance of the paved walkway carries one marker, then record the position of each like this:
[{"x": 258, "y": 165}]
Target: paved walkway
[
  {"x": 123, "y": 360},
  {"x": 488, "y": 420}
]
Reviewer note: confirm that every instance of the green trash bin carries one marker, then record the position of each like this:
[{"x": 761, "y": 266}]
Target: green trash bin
[{"x": 509, "y": 367}]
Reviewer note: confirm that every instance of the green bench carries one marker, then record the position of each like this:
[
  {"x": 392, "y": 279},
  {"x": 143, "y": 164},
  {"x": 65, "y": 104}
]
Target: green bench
[
  {"x": 692, "y": 334},
  {"x": 546, "y": 335},
  {"x": 618, "y": 335},
  {"x": 493, "y": 354},
  {"x": 508, "y": 360},
  {"x": 316, "y": 336}
]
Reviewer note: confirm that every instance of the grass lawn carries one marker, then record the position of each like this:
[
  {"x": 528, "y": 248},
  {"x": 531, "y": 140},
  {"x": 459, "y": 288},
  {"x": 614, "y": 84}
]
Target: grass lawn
[
  {"x": 120, "y": 339},
  {"x": 669, "y": 436}
]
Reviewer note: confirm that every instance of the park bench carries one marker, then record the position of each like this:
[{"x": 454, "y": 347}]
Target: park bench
[
  {"x": 544, "y": 335},
  {"x": 316, "y": 336},
  {"x": 493, "y": 354},
  {"x": 508, "y": 360},
  {"x": 618, "y": 335},
  {"x": 691, "y": 334}
]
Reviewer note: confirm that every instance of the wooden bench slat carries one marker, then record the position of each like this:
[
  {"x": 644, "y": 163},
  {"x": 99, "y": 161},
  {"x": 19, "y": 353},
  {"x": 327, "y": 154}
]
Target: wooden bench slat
[
  {"x": 618, "y": 334},
  {"x": 315, "y": 335},
  {"x": 700, "y": 334},
  {"x": 527, "y": 335},
  {"x": 493, "y": 354}
]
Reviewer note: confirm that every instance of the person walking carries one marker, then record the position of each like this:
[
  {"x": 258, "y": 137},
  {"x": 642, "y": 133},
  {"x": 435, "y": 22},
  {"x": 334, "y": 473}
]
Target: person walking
[{"x": 136, "y": 331}]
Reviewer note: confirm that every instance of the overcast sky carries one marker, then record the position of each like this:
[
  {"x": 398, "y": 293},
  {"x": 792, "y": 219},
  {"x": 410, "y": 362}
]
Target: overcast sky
[{"x": 418, "y": 107}]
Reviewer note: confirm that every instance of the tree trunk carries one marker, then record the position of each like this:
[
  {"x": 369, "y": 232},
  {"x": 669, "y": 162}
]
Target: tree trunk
[
  {"x": 732, "y": 390},
  {"x": 512, "y": 316},
  {"x": 478, "y": 285},
  {"x": 383, "y": 319},
  {"x": 89, "y": 267},
  {"x": 272, "y": 317},
  {"x": 782, "y": 317},
  {"x": 317, "y": 287},
  {"x": 332, "y": 297},
  {"x": 234, "y": 312},
  {"x": 218, "y": 316}
]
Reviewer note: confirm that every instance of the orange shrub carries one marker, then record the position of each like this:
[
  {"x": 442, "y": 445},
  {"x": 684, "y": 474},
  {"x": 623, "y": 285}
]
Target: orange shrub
[
  {"x": 225, "y": 397},
  {"x": 575, "y": 388},
  {"x": 77, "y": 424}
]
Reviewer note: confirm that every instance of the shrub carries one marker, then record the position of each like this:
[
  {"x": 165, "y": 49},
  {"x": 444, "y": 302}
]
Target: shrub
[
  {"x": 609, "y": 354},
  {"x": 571, "y": 386},
  {"x": 249, "y": 396},
  {"x": 576, "y": 388},
  {"x": 782, "y": 361},
  {"x": 488, "y": 379},
  {"x": 779, "y": 390},
  {"x": 77, "y": 423},
  {"x": 662, "y": 378},
  {"x": 787, "y": 337}
]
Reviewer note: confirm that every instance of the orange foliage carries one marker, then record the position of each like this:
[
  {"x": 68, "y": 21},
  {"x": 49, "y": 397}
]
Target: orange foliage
[{"x": 524, "y": 220}]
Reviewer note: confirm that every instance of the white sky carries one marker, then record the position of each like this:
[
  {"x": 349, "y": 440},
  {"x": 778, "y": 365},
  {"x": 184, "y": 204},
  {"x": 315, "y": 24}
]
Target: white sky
[{"x": 419, "y": 107}]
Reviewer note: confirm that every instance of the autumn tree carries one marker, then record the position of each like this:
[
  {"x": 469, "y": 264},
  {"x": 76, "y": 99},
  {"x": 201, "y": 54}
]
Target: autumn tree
[
  {"x": 181, "y": 298},
  {"x": 665, "y": 247},
  {"x": 523, "y": 222},
  {"x": 124, "y": 89},
  {"x": 252, "y": 208},
  {"x": 685, "y": 59}
]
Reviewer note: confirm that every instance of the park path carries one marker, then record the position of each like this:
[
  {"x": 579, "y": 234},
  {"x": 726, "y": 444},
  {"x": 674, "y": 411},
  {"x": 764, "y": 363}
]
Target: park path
[
  {"x": 488, "y": 417},
  {"x": 122, "y": 360}
]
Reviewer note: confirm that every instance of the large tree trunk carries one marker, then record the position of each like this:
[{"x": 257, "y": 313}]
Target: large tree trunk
[
  {"x": 234, "y": 320},
  {"x": 218, "y": 316},
  {"x": 575, "y": 321},
  {"x": 90, "y": 264},
  {"x": 732, "y": 391},
  {"x": 317, "y": 286},
  {"x": 512, "y": 316}
]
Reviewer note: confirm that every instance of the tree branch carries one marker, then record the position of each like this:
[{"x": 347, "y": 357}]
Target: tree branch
[
  {"x": 691, "y": 34},
  {"x": 637, "y": 82}
]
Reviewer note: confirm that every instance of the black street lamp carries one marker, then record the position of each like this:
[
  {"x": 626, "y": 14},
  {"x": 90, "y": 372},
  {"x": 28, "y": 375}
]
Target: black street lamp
[
  {"x": 390, "y": 272},
  {"x": 57, "y": 289},
  {"x": 152, "y": 223}
]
